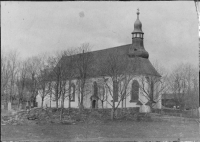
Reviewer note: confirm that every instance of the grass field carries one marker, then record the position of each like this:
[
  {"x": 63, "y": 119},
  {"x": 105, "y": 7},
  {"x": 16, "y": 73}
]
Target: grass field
[{"x": 108, "y": 130}]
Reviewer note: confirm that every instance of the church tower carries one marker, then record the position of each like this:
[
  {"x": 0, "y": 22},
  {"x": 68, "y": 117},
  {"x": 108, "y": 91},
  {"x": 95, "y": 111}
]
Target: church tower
[{"x": 137, "y": 48}]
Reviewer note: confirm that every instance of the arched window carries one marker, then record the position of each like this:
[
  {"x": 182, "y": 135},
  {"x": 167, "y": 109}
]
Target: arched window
[
  {"x": 73, "y": 92},
  {"x": 134, "y": 91},
  {"x": 95, "y": 89},
  {"x": 101, "y": 92}
]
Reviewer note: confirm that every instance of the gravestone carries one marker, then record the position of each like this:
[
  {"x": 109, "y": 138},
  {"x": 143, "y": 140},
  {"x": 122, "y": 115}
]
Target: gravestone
[
  {"x": 2, "y": 106},
  {"x": 20, "y": 106},
  {"x": 9, "y": 106}
]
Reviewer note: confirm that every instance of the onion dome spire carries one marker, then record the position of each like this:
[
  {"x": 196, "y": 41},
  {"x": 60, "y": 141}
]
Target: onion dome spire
[
  {"x": 137, "y": 48},
  {"x": 137, "y": 24}
]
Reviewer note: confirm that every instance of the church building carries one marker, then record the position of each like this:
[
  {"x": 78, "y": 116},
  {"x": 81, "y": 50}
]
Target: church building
[{"x": 118, "y": 74}]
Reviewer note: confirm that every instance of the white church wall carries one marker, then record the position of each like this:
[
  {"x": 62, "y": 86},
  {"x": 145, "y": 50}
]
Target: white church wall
[
  {"x": 106, "y": 104},
  {"x": 126, "y": 102},
  {"x": 51, "y": 102},
  {"x": 158, "y": 96}
]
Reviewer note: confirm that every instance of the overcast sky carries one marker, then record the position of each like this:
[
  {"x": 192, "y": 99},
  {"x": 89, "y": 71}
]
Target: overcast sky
[{"x": 170, "y": 28}]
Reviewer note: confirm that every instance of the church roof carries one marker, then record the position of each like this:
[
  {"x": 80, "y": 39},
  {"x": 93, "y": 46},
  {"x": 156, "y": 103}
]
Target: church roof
[
  {"x": 144, "y": 66},
  {"x": 136, "y": 65},
  {"x": 130, "y": 59}
]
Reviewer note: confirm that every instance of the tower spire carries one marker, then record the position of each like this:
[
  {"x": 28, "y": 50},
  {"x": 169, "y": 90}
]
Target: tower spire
[
  {"x": 137, "y": 48},
  {"x": 137, "y": 27}
]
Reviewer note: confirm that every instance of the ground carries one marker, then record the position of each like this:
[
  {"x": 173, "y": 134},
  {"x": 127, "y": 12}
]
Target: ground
[
  {"x": 158, "y": 127},
  {"x": 113, "y": 130}
]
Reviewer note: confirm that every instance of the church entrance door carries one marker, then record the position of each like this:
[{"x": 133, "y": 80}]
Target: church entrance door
[{"x": 94, "y": 104}]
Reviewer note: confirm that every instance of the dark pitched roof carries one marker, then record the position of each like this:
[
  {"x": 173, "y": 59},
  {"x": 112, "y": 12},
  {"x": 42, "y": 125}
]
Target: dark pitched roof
[{"x": 144, "y": 66}]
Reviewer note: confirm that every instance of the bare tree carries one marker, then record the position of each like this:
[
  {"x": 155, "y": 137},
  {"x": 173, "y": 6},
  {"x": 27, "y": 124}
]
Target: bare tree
[
  {"x": 13, "y": 69},
  {"x": 152, "y": 87},
  {"x": 118, "y": 90},
  {"x": 190, "y": 77},
  {"x": 44, "y": 85},
  {"x": 69, "y": 66},
  {"x": 116, "y": 78},
  {"x": 5, "y": 75},
  {"x": 34, "y": 65},
  {"x": 61, "y": 71},
  {"x": 63, "y": 75},
  {"x": 183, "y": 83},
  {"x": 55, "y": 74},
  {"x": 63, "y": 81},
  {"x": 101, "y": 94},
  {"x": 83, "y": 65},
  {"x": 21, "y": 82}
]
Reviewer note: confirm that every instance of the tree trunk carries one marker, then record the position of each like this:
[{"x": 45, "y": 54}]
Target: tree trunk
[
  {"x": 69, "y": 95},
  {"x": 61, "y": 114},
  {"x": 80, "y": 102},
  {"x": 62, "y": 107},
  {"x": 63, "y": 100},
  {"x": 50, "y": 100},
  {"x": 82, "y": 92},
  {"x": 42, "y": 102},
  {"x": 57, "y": 93},
  {"x": 35, "y": 102},
  {"x": 19, "y": 102},
  {"x": 122, "y": 102},
  {"x": 56, "y": 103},
  {"x": 113, "y": 111},
  {"x": 81, "y": 98},
  {"x": 125, "y": 101}
]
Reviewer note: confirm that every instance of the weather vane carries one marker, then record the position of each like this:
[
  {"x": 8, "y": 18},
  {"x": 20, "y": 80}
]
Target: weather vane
[{"x": 138, "y": 11}]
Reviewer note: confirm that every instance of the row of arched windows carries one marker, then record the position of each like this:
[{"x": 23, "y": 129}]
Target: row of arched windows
[
  {"x": 134, "y": 91},
  {"x": 100, "y": 91}
]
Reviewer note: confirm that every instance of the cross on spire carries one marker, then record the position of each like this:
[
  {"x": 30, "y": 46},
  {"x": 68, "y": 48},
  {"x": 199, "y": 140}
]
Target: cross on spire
[{"x": 138, "y": 12}]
